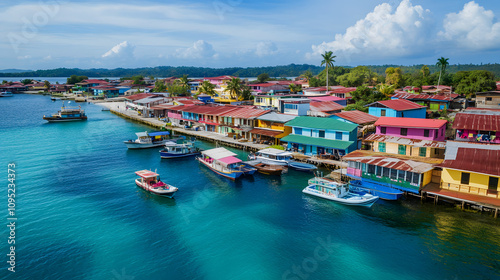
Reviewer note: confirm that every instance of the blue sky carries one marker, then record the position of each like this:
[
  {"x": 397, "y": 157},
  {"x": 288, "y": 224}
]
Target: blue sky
[{"x": 227, "y": 33}]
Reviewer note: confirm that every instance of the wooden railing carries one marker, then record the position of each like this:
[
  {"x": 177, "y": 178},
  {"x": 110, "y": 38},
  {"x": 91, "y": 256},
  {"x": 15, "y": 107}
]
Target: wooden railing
[{"x": 470, "y": 189}]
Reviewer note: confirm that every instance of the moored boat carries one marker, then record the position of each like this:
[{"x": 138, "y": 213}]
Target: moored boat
[
  {"x": 6, "y": 94},
  {"x": 67, "y": 114},
  {"x": 364, "y": 185},
  {"x": 272, "y": 156},
  {"x": 223, "y": 162},
  {"x": 147, "y": 140},
  {"x": 150, "y": 181},
  {"x": 338, "y": 192},
  {"x": 268, "y": 169},
  {"x": 178, "y": 150},
  {"x": 301, "y": 166}
]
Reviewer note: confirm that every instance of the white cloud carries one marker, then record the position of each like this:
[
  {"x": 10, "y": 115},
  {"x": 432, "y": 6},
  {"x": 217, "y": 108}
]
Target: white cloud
[
  {"x": 473, "y": 27},
  {"x": 122, "y": 50},
  {"x": 265, "y": 49},
  {"x": 24, "y": 57},
  {"x": 200, "y": 49},
  {"x": 382, "y": 33}
]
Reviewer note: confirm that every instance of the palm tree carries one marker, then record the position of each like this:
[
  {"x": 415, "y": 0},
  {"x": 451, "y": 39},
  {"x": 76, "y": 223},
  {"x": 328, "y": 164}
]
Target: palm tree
[
  {"x": 246, "y": 93},
  {"x": 234, "y": 88},
  {"x": 307, "y": 75},
  {"x": 295, "y": 88},
  {"x": 442, "y": 63},
  {"x": 207, "y": 88},
  {"x": 328, "y": 60},
  {"x": 386, "y": 90}
]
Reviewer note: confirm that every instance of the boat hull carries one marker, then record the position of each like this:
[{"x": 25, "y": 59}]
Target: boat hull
[
  {"x": 168, "y": 155},
  {"x": 385, "y": 193},
  {"x": 306, "y": 167},
  {"x": 367, "y": 202},
  {"x": 267, "y": 169},
  {"x": 166, "y": 193},
  {"x": 52, "y": 119},
  {"x": 229, "y": 175},
  {"x": 135, "y": 145}
]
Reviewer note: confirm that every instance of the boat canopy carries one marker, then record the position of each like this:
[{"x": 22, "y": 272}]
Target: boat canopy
[
  {"x": 142, "y": 134},
  {"x": 146, "y": 174},
  {"x": 276, "y": 152},
  {"x": 229, "y": 160},
  {"x": 159, "y": 133},
  {"x": 218, "y": 153}
]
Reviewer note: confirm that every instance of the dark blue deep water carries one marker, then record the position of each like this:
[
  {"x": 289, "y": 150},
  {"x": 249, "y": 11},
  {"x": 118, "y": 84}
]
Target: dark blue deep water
[{"x": 80, "y": 216}]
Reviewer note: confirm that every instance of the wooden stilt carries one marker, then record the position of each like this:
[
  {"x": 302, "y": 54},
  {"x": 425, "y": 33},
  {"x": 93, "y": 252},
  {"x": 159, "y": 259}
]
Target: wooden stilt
[
  {"x": 463, "y": 205},
  {"x": 496, "y": 213},
  {"x": 436, "y": 199}
]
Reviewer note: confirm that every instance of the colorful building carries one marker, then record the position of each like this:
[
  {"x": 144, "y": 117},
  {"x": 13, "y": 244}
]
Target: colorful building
[
  {"x": 397, "y": 108},
  {"x": 271, "y": 127},
  {"x": 471, "y": 168},
  {"x": 433, "y": 102},
  {"x": 324, "y": 108},
  {"x": 422, "y": 129},
  {"x": 478, "y": 125},
  {"x": 489, "y": 99},
  {"x": 314, "y": 136}
]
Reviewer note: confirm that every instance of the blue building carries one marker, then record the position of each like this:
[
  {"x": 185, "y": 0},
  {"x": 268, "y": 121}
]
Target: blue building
[
  {"x": 316, "y": 136},
  {"x": 397, "y": 108}
]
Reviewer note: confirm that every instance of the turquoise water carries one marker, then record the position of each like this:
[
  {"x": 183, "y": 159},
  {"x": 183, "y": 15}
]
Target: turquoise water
[{"x": 80, "y": 216}]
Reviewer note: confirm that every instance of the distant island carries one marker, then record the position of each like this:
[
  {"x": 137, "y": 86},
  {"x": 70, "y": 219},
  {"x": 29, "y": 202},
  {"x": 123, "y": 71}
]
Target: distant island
[{"x": 291, "y": 70}]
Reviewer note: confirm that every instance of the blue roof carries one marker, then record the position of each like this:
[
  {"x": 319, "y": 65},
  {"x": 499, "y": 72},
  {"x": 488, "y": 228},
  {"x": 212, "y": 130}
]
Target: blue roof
[{"x": 159, "y": 133}]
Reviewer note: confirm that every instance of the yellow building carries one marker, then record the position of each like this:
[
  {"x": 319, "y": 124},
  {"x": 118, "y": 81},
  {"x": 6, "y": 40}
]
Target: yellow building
[
  {"x": 404, "y": 146},
  {"x": 271, "y": 127},
  {"x": 471, "y": 168}
]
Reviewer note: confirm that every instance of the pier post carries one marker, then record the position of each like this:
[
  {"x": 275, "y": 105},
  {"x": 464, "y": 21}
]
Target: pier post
[
  {"x": 463, "y": 205},
  {"x": 436, "y": 199},
  {"x": 496, "y": 213}
]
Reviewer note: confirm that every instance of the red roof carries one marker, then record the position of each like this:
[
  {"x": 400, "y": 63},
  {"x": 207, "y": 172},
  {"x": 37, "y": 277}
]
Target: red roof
[
  {"x": 95, "y": 81},
  {"x": 339, "y": 89},
  {"x": 400, "y": 104},
  {"x": 245, "y": 113},
  {"x": 266, "y": 132},
  {"x": 356, "y": 116},
  {"x": 444, "y": 97},
  {"x": 325, "y": 98},
  {"x": 139, "y": 96},
  {"x": 487, "y": 122},
  {"x": 190, "y": 102},
  {"x": 410, "y": 122},
  {"x": 209, "y": 110},
  {"x": 325, "y": 106},
  {"x": 476, "y": 160},
  {"x": 262, "y": 85}
]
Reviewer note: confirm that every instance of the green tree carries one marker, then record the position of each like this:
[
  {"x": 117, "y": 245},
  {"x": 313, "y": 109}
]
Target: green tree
[
  {"x": 307, "y": 75},
  {"x": 295, "y": 88},
  {"x": 176, "y": 89},
  {"x": 469, "y": 82},
  {"x": 26, "y": 81},
  {"x": 207, "y": 88},
  {"x": 358, "y": 76},
  {"x": 363, "y": 96},
  {"x": 425, "y": 71},
  {"x": 73, "y": 79},
  {"x": 246, "y": 93},
  {"x": 442, "y": 63},
  {"x": 46, "y": 84},
  {"x": 328, "y": 60},
  {"x": 386, "y": 90},
  {"x": 394, "y": 76},
  {"x": 184, "y": 81},
  {"x": 263, "y": 77},
  {"x": 160, "y": 86},
  {"x": 234, "y": 88},
  {"x": 138, "y": 80}
]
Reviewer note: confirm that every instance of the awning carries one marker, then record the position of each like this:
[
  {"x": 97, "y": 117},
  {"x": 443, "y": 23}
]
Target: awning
[
  {"x": 271, "y": 133},
  {"x": 218, "y": 153},
  {"x": 320, "y": 142},
  {"x": 229, "y": 160},
  {"x": 159, "y": 133}
]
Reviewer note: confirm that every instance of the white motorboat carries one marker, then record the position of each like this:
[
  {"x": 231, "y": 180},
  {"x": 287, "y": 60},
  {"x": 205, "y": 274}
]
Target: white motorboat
[
  {"x": 148, "y": 140},
  {"x": 338, "y": 192},
  {"x": 150, "y": 181},
  {"x": 272, "y": 156}
]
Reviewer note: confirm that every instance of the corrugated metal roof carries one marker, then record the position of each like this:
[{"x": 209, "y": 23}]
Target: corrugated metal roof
[
  {"x": 276, "y": 117},
  {"x": 321, "y": 142},
  {"x": 321, "y": 123},
  {"x": 266, "y": 132},
  {"x": 440, "y": 97},
  {"x": 325, "y": 98},
  {"x": 472, "y": 121},
  {"x": 483, "y": 161},
  {"x": 245, "y": 113},
  {"x": 389, "y": 161},
  {"x": 356, "y": 116},
  {"x": 410, "y": 122},
  {"x": 406, "y": 141},
  {"x": 325, "y": 106},
  {"x": 399, "y": 104}
]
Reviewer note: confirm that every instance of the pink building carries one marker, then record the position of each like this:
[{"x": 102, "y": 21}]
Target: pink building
[{"x": 412, "y": 128}]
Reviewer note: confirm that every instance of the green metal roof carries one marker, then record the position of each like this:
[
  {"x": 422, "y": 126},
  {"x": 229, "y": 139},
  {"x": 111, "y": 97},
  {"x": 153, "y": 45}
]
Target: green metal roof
[
  {"x": 321, "y": 142},
  {"x": 321, "y": 123}
]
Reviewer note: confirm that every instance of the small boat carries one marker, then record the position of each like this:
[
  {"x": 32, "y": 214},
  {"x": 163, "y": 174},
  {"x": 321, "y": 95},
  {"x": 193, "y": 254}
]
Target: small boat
[
  {"x": 272, "y": 156},
  {"x": 80, "y": 98},
  {"x": 302, "y": 166},
  {"x": 148, "y": 140},
  {"x": 223, "y": 162},
  {"x": 67, "y": 114},
  {"x": 54, "y": 98},
  {"x": 178, "y": 150},
  {"x": 384, "y": 192},
  {"x": 6, "y": 94},
  {"x": 268, "y": 169},
  {"x": 150, "y": 181},
  {"x": 338, "y": 192}
]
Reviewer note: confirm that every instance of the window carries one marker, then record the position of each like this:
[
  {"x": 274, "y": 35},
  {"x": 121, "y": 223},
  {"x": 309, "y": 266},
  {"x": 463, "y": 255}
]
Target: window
[
  {"x": 394, "y": 174},
  {"x": 386, "y": 172},
  {"x": 298, "y": 130},
  {"x": 493, "y": 184},
  {"x": 371, "y": 168},
  {"x": 381, "y": 147},
  {"x": 489, "y": 99},
  {"x": 422, "y": 152},
  {"x": 383, "y": 130},
  {"x": 426, "y": 133},
  {"x": 321, "y": 134},
  {"x": 416, "y": 178},
  {"x": 404, "y": 131},
  {"x": 401, "y": 174},
  {"x": 409, "y": 176},
  {"x": 402, "y": 149},
  {"x": 338, "y": 135},
  {"x": 465, "y": 178},
  {"x": 379, "y": 170},
  {"x": 382, "y": 112}
]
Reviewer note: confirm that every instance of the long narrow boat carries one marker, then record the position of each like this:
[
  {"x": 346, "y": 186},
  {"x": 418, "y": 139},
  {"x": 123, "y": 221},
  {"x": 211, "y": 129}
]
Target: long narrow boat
[
  {"x": 147, "y": 140},
  {"x": 223, "y": 162},
  {"x": 150, "y": 182},
  {"x": 301, "y": 166},
  {"x": 268, "y": 169},
  {"x": 338, "y": 192},
  {"x": 67, "y": 114}
]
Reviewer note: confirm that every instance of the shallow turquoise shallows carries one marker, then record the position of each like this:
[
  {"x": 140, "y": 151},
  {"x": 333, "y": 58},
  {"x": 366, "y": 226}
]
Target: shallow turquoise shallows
[{"x": 80, "y": 216}]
